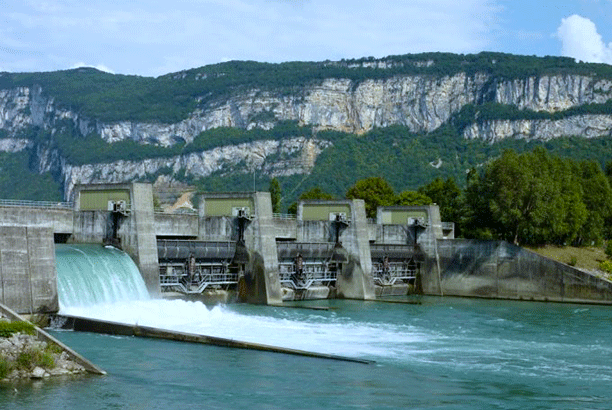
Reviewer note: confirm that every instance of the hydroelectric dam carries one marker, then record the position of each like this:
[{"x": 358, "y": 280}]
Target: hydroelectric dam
[{"x": 233, "y": 248}]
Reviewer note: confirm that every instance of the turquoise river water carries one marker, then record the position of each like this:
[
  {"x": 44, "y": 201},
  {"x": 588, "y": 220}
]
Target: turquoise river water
[{"x": 445, "y": 353}]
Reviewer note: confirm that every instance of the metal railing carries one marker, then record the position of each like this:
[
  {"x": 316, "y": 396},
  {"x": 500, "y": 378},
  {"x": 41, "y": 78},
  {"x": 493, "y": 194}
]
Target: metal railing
[
  {"x": 178, "y": 211},
  {"x": 36, "y": 204},
  {"x": 284, "y": 216}
]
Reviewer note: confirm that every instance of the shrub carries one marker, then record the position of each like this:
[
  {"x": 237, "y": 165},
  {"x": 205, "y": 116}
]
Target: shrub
[
  {"x": 609, "y": 249},
  {"x": 35, "y": 357},
  {"x": 5, "y": 367},
  {"x": 605, "y": 266},
  {"x": 573, "y": 261},
  {"x": 8, "y": 328}
]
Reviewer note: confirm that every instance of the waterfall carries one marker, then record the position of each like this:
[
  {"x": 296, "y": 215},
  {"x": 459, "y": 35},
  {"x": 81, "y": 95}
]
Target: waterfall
[{"x": 90, "y": 274}]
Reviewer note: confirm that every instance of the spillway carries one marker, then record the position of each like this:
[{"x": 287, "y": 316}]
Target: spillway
[
  {"x": 89, "y": 275},
  {"x": 104, "y": 284}
]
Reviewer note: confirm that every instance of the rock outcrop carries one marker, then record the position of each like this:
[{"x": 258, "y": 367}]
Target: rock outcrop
[
  {"x": 587, "y": 126},
  {"x": 290, "y": 156},
  {"x": 420, "y": 102}
]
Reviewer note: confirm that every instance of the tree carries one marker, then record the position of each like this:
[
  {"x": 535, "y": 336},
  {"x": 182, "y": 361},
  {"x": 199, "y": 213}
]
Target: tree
[
  {"x": 412, "y": 198},
  {"x": 314, "y": 193},
  {"x": 375, "y": 191},
  {"x": 275, "y": 195},
  {"x": 531, "y": 198},
  {"x": 447, "y": 195}
]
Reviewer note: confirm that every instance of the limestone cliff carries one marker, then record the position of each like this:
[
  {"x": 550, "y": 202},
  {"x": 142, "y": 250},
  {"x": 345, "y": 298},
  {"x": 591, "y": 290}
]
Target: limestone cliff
[
  {"x": 422, "y": 102},
  {"x": 291, "y": 156}
]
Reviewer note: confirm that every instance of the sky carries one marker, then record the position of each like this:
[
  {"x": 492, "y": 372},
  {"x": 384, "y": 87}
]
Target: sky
[{"x": 156, "y": 37}]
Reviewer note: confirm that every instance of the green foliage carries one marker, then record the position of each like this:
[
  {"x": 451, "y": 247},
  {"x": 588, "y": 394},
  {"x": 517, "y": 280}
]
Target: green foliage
[
  {"x": 375, "y": 191},
  {"x": 536, "y": 198},
  {"x": 314, "y": 193},
  {"x": 275, "y": 195},
  {"x": 609, "y": 249},
  {"x": 18, "y": 181},
  {"x": 5, "y": 367},
  {"x": 31, "y": 358},
  {"x": 7, "y": 329},
  {"x": 447, "y": 195},
  {"x": 606, "y": 266},
  {"x": 412, "y": 198},
  {"x": 170, "y": 98}
]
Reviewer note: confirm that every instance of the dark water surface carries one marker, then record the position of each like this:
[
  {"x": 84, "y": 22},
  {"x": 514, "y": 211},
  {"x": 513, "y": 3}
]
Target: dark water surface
[{"x": 446, "y": 353}]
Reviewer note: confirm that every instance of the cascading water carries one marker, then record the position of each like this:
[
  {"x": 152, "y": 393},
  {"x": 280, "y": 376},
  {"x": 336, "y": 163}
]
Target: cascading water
[{"x": 89, "y": 275}]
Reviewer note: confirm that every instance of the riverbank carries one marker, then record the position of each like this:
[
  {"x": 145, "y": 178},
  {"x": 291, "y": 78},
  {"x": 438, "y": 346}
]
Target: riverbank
[
  {"x": 27, "y": 351},
  {"x": 586, "y": 258},
  {"x": 23, "y": 356}
]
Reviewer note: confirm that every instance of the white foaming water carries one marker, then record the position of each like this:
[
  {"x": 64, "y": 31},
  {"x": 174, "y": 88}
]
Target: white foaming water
[
  {"x": 102, "y": 283},
  {"x": 92, "y": 274},
  {"x": 306, "y": 333}
]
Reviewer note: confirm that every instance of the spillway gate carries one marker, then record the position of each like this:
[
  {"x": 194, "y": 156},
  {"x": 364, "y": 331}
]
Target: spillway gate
[
  {"x": 187, "y": 266},
  {"x": 302, "y": 265},
  {"x": 394, "y": 264}
]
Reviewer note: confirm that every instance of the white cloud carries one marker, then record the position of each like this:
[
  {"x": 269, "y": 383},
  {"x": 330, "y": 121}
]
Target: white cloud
[{"x": 580, "y": 40}]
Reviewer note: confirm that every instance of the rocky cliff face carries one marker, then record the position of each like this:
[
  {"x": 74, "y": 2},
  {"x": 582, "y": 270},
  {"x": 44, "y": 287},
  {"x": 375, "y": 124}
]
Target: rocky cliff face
[
  {"x": 420, "y": 102},
  {"x": 588, "y": 126},
  {"x": 273, "y": 158}
]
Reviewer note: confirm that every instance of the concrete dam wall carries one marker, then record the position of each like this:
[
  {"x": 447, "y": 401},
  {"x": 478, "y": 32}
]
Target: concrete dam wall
[
  {"x": 497, "y": 269},
  {"x": 234, "y": 245}
]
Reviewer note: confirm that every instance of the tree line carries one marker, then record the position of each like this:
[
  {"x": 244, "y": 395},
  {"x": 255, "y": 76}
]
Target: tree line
[{"x": 529, "y": 198}]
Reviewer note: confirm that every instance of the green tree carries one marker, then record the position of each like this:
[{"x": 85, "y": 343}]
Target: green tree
[
  {"x": 275, "y": 195},
  {"x": 528, "y": 198},
  {"x": 314, "y": 193},
  {"x": 375, "y": 191},
  {"x": 412, "y": 198},
  {"x": 448, "y": 196}
]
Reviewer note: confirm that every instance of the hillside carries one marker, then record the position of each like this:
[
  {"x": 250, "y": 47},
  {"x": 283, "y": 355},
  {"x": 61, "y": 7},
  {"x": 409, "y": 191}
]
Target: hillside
[{"x": 408, "y": 118}]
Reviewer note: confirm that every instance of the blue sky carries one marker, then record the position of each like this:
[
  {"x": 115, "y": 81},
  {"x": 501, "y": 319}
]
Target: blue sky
[{"x": 155, "y": 37}]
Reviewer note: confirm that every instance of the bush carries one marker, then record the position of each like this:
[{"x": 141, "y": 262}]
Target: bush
[
  {"x": 5, "y": 368},
  {"x": 605, "y": 266},
  {"x": 8, "y": 328},
  {"x": 609, "y": 249},
  {"x": 31, "y": 358}
]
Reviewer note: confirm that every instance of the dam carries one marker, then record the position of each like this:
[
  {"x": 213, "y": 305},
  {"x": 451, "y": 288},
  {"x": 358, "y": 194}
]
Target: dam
[{"x": 233, "y": 248}]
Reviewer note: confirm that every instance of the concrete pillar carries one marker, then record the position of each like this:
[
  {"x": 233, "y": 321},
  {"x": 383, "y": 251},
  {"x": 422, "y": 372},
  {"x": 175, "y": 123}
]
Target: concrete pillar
[
  {"x": 27, "y": 269},
  {"x": 144, "y": 244},
  {"x": 264, "y": 264},
  {"x": 355, "y": 282}
]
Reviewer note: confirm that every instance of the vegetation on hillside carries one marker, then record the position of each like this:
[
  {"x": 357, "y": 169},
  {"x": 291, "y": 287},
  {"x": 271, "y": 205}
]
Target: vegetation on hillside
[{"x": 170, "y": 98}]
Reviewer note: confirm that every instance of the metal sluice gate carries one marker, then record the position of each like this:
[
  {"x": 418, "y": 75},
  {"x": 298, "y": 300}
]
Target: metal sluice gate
[
  {"x": 194, "y": 266},
  {"x": 394, "y": 264},
  {"x": 302, "y": 265}
]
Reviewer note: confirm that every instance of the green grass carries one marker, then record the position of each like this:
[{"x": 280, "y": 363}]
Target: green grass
[
  {"x": 587, "y": 257},
  {"x": 7, "y": 329}
]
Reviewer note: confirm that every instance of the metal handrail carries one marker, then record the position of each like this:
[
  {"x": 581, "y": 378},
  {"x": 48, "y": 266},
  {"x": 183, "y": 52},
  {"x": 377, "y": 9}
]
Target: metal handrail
[
  {"x": 36, "y": 204},
  {"x": 284, "y": 216}
]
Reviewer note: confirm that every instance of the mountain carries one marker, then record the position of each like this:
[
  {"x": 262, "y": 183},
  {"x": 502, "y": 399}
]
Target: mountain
[{"x": 228, "y": 126}]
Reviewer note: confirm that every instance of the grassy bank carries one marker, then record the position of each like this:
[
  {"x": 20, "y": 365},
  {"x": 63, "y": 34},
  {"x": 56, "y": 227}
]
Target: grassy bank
[{"x": 587, "y": 258}]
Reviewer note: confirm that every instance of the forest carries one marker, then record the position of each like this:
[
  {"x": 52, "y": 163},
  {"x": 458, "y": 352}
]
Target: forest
[{"x": 529, "y": 198}]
